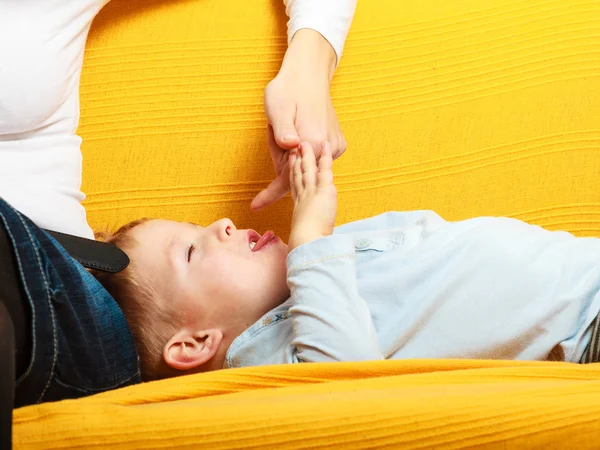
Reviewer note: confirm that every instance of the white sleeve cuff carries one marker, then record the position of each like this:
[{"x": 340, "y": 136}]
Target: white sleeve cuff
[{"x": 330, "y": 18}]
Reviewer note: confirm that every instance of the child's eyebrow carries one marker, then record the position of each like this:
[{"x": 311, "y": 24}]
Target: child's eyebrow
[
  {"x": 169, "y": 250},
  {"x": 195, "y": 225}
]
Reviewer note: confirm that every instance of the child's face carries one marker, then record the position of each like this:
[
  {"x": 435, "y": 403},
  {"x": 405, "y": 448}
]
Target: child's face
[{"x": 213, "y": 273}]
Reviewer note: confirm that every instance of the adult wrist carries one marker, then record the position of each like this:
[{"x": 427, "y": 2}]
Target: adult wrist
[{"x": 309, "y": 50}]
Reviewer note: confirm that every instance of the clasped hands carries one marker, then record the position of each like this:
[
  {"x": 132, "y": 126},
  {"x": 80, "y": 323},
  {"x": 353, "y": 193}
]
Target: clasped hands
[{"x": 299, "y": 109}]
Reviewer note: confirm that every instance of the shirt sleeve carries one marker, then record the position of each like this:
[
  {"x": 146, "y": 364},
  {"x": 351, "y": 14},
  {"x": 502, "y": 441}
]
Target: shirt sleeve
[
  {"x": 331, "y": 321},
  {"x": 331, "y": 18}
]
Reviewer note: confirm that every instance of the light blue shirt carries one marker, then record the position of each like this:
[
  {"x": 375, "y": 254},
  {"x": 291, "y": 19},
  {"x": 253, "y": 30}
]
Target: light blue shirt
[{"x": 411, "y": 285}]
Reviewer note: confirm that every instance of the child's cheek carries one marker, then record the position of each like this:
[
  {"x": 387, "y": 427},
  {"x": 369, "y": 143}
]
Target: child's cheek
[{"x": 226, "y": 265}]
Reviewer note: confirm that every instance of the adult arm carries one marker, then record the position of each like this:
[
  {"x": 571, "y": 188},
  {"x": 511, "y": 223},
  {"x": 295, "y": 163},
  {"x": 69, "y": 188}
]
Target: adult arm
[{"x": 298, "y": 103}]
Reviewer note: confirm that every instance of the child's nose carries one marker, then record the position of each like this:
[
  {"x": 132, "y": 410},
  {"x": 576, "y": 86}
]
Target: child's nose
[{"x": 225, "y": 229}]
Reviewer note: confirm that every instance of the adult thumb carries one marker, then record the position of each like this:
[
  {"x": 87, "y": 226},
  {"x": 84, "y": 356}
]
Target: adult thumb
[
  {"x": 276, "y": 190},
  {"x": 284, "y": 129}
]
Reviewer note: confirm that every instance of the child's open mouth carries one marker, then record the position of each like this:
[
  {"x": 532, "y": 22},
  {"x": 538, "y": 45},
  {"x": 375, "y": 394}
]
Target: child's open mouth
[{"x": 257, "y": 242}]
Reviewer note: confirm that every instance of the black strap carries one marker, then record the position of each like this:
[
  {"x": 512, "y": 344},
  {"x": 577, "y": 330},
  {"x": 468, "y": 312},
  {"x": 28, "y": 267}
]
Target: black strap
[{"x": 92, "y": 254}]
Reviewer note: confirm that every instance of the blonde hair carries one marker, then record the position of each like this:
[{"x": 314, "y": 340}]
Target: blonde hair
[{"x": 152, "y": 320}]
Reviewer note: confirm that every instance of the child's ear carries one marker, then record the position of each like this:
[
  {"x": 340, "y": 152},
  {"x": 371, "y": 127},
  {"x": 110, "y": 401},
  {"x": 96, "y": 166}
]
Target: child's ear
[{"x": 189, "y": 349}]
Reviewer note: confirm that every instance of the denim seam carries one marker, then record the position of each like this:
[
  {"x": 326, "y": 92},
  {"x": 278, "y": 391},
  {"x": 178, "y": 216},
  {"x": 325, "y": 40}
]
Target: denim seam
[
  {"x": 90, "y": 391},
  {"x": 312, "y": 262},
  {"x": 32, "y": 306},
  {"x": 229, "y": 356},
  {"x": 47, "y": 287}
]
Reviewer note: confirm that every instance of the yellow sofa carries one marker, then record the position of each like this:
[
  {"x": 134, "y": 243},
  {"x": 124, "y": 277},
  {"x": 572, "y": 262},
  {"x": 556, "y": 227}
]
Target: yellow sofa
[{"x": 467, "y": 107}]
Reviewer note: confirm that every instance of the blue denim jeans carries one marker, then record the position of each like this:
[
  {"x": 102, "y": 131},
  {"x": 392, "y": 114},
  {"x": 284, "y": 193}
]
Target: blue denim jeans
[{"x": 81, "y": 343}]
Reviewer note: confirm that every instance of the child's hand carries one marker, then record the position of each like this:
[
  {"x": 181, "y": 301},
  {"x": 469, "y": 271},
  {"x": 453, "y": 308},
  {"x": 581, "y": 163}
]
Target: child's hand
[{"x": 313, "y": 193}]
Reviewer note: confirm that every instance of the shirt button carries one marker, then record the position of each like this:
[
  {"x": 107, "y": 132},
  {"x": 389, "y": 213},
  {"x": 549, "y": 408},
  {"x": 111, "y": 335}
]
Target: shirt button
[
  {"x": 362, "y": 243},
  {"x": 394, "y": 242}
]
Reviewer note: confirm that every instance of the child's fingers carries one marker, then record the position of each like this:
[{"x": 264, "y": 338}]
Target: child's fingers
[
  {"x": 325, "y": 174},
  {"x": 297, "y": 174},
  {"x": 291, "y": 162},
  {"x": 309, "y": 165}
]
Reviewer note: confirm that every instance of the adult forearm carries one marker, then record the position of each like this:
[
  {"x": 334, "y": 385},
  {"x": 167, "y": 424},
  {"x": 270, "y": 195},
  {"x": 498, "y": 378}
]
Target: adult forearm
[{"x": 309, "y": 50}]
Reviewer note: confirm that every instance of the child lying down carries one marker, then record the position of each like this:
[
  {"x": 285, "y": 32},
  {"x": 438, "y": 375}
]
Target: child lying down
[{"x": 395, "y": 286}]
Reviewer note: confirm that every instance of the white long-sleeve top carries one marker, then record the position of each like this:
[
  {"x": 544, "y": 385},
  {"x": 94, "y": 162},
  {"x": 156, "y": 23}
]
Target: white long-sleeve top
[
  {"x": 41, "y": 54},
  {"x": 331, "y": 18}
]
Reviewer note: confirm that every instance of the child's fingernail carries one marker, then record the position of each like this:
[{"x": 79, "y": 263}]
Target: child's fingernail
[{"x": 300, "y": 147}]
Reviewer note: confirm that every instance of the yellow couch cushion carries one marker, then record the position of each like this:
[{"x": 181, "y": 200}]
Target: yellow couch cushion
[
  {"x": 390, "y": 404},
  {"x": 467, "y": 107}
]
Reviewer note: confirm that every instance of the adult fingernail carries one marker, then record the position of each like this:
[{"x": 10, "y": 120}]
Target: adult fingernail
[{"x": 289, "y": 137}]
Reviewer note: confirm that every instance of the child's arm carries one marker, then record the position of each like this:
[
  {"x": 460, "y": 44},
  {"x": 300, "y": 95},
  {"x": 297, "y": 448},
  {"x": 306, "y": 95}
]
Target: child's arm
[{"x": 331, "y": 321}]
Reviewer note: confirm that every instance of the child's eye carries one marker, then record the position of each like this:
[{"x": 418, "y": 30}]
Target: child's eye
[{"x": 190, "y": 251}]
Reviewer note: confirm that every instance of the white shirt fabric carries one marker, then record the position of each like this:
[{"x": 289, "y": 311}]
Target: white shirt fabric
[
  {"x": 406, "y": 285},
  {"x": 331, "y": 18},
  {"x": 41, "y": 54}
]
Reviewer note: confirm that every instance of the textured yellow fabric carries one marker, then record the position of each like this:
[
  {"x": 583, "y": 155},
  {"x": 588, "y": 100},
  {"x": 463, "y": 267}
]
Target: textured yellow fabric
[
  {"x": 390, "y": 404},
  {"x": 467, "y": 107}
]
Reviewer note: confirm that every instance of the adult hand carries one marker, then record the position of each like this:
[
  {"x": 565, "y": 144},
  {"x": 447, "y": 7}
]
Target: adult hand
[{"x": 298, "y": 108}]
